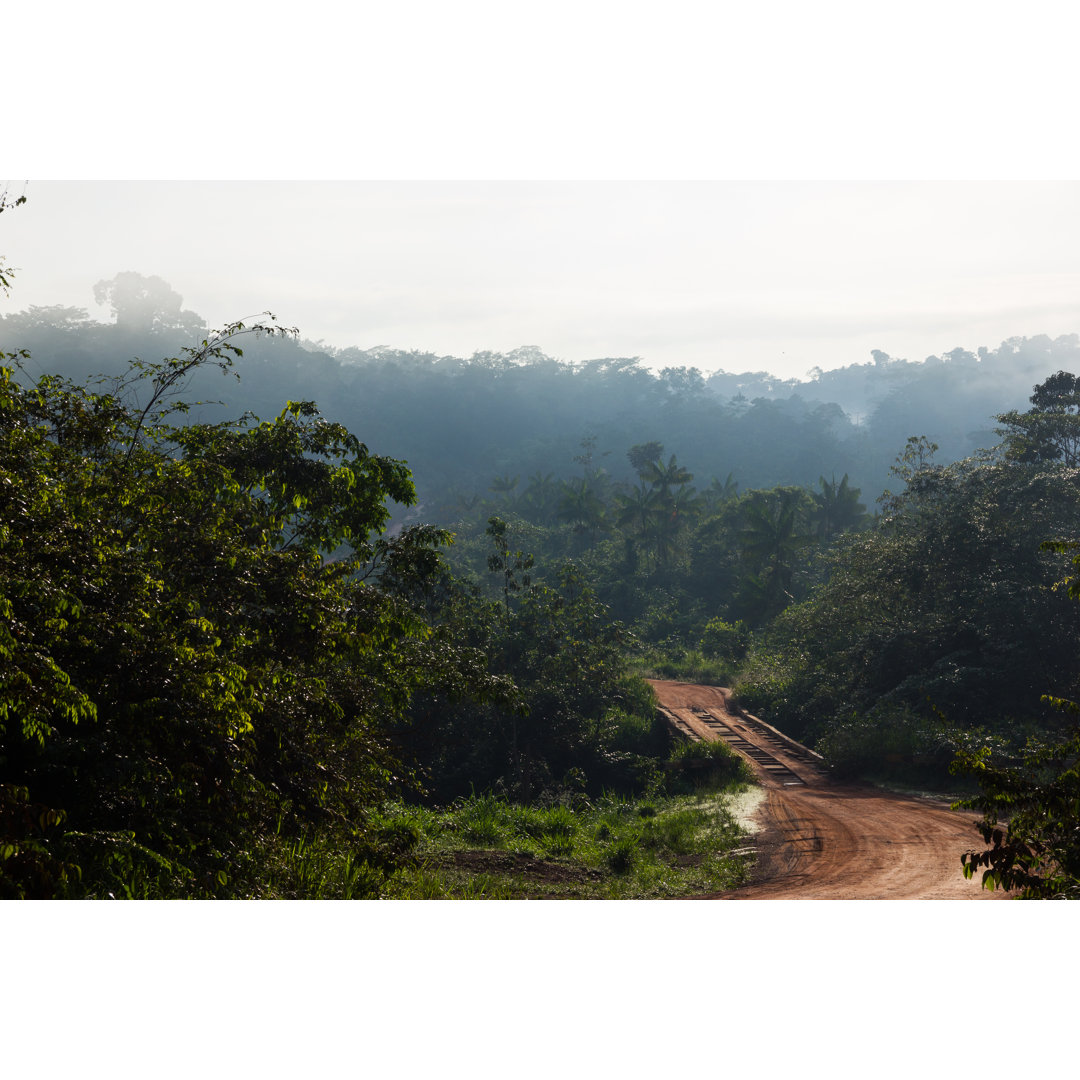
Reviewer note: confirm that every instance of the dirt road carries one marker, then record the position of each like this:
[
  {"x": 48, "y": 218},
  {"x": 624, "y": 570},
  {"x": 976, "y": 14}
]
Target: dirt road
[{"x": 821, "y": 840}]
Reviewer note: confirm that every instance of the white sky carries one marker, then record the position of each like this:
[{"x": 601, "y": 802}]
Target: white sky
[
  {"x": 777, "y": 188},
  {"x": 777, "y": 276}
]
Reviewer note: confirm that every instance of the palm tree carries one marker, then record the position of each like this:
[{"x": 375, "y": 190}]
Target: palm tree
[
  {"x": 540, "y": 500},
  {"x": 680, "y": 508},
  {"x": 503, "y": 489},
  {"x": 837, "y": 508},
  {"x": 676, "y": 505},
  {"x": 581, "y": 507},
  {"x": 717, "y": 494},
  {"x": 771, "y": 539},
  {"x": 460, "y": 505},
  {"x": 639, "y": 512},
  {"x": 664, "y": 477}
]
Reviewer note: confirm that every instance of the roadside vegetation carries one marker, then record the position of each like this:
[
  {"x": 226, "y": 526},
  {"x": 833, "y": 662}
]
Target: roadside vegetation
[
  {"x": 677, "y": 840},
  {"x": 615, "y": 849}
]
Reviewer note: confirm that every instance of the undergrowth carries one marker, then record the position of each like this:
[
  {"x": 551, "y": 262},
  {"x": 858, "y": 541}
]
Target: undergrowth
[
  {"x": 686, "y": 665},
  {"x": 679, "y": 841}
]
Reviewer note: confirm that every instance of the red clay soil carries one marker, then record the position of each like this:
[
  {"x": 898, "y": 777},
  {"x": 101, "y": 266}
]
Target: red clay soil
[{"x": 824, "y": 840}]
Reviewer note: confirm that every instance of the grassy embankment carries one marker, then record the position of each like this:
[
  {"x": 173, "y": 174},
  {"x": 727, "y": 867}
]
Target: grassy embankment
[{"x": 680, "y": 840}]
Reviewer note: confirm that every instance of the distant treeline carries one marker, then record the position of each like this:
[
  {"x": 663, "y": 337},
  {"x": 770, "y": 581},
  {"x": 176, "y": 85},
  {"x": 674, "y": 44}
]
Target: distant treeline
[{"x": 462, "y": 424}]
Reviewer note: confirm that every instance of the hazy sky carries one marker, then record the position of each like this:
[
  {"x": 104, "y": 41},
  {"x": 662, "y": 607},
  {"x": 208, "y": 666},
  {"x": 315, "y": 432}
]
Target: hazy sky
[
  {"x": 779, "y": 276},
  {"x": 485, "y": 147}
]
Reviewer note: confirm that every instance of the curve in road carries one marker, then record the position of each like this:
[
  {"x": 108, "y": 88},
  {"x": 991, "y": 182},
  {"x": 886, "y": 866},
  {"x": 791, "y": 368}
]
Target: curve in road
[{"x": 822, "y": 840}]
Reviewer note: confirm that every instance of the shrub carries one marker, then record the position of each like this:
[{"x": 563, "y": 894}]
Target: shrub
[
  {"x": 725, "y": 641},
  {"x": 705, "y": 766},
  {"x": 689, "y": 666},
  {"x": 894, "y": 742}
]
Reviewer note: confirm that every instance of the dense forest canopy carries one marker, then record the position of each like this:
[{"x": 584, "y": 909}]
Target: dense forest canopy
[{"x": 463, "y": 422}]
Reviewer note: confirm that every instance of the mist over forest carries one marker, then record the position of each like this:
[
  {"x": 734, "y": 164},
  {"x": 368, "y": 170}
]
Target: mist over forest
[{"x": 462, "y": 423}]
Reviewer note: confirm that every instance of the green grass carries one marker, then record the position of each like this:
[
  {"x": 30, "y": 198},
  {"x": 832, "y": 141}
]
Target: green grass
[
  {"x": 669, "y": 844},
  {"x": 685, "y": 665},
  {"x": 613, "y": 848},
  {"x": 677, "y": 840}
]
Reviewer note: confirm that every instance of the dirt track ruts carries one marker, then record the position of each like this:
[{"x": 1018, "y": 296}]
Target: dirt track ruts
[{"x": 822, "y": 840}]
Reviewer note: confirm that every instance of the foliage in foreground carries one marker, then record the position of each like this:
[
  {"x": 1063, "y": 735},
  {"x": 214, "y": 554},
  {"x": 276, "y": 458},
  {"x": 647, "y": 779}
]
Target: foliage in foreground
[
  {"x": 215, "y": 668},
  {"x": 678, "y": 839},
  {"x": 1031, "y": 820},
  {"x": 185, "y": 671},
  {"x": 1031, "y": 806}
]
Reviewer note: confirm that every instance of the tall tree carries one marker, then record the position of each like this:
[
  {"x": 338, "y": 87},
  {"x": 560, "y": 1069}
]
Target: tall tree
[
  {"x": 145, "y": 304},
  {"x": 773, "y": 535},
  {"x": 581, "y": 507},
  {"x": 639, "y": 512},
  {"x": 1050, "y": 430},
  {"x": 836, "y": 508},
  {"x": 642, "y": 455},
  {"x": 676, "y": 504},
  {"x": 514, "y": 566},
  {"x": 665, "y": 478}
]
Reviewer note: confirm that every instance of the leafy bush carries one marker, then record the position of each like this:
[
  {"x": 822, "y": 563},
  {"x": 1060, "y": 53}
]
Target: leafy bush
[
  {"x": 896, "y": 743},
  {"x": 182, "y": 665},
  {"x": 1031, "y": 816},
  {"x": 705, "y": 766},
  {"x": 579, "y": 721},
  {"x": 775, "y": 681},
  {"x": 687, "y": 665},
  {"x": 725, "y": 641}
]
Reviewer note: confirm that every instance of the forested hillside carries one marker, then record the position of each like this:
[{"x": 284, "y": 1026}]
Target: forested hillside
[{"x": 463, "y": 424}]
